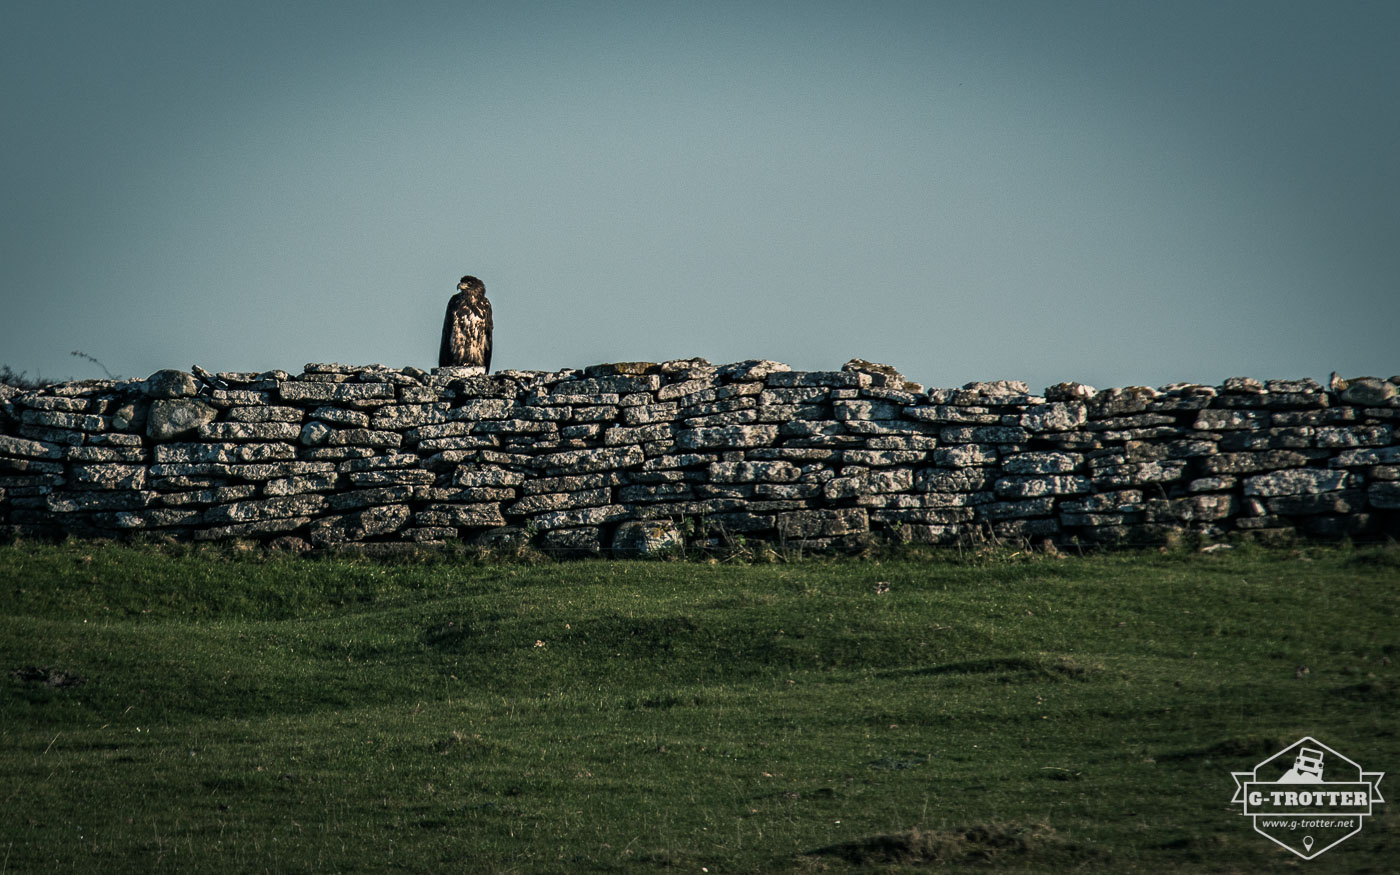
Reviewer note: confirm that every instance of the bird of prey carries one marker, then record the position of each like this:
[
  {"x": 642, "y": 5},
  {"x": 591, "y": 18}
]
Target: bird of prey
[{"x": 466, "y": 332}]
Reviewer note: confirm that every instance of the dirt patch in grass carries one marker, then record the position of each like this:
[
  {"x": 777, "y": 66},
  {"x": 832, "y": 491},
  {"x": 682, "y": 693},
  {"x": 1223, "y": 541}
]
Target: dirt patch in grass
[
  {"x": 459, "y": 744},
  {"x": 980, "y": 843},
  {"x": 1372, "y": 690},
  {"x": 50, "y": 677},
  {"x": 1244, "y": 747}
]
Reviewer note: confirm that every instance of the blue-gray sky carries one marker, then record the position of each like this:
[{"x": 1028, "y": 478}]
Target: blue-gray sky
[{"x": 1114, "y": 192}]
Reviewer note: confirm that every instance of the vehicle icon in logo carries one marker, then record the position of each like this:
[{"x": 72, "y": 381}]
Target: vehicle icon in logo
[{"x": 1293, "y": 805}]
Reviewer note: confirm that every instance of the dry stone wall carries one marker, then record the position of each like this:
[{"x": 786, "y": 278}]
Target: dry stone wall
[{"x": 640, "y": 457}]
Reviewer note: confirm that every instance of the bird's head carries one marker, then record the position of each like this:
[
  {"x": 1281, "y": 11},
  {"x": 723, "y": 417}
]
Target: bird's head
[{"x": 471, "y": 284}]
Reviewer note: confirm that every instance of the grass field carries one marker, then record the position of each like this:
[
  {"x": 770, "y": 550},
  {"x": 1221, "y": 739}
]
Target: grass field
[{"x": 206, "y": 710}]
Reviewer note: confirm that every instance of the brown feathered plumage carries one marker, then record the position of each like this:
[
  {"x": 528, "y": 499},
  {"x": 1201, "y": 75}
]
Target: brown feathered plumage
[{"x": 466, "y": 332}]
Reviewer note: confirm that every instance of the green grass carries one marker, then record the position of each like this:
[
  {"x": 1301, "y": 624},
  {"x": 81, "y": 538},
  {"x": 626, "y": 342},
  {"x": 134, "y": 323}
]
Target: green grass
[{"x": 219, "y": 711}]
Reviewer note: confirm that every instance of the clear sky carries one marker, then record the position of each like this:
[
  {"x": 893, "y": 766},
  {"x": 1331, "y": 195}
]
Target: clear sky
[{"x": 1113, "y": 192}]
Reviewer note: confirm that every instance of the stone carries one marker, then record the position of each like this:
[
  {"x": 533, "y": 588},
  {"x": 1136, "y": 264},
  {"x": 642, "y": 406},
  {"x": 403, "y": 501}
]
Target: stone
[
  {"x": 372, "y": 522},
  {"x": 826, "y": 379},
  {"x": 404, "y": 416},
  {"x": 727, "y": 436},
  {"x": 1370, "y": 391},
  {"x": 200, "y": 497},
  {"x": 998, "y": 387},
  {"x": 502, "y": 384},
  {"x": 73, "y": 421},
  {"x": 822, "y": 523},
  {"x": 158, "y": 518},
  {"x": 364, "y": 437},
  {"x": 341, "y": 416},
  {"x": 1042, "y": 463},
  {"x": 1049, "y": 484},
  {"x": 646, "y": 493},
  {"x": 882, "y": 458},
  {"x": 170, "y": 419},
  {"x": 1353, "y": 458},
  {"x": 249, "y": 431},
  {"x": 1117, "y": 402},
  {"x": 458, "y": 371},
  {"x": 130, "y": 417},
  {"x": 721, "y": 420},
  {"x": 884, "y": 375},
  {"x": 15, "y": 446},
  {"x": 482, "y": 515},
  {"x": 1124, "y": 501},
  {"x": 1138, "y": 474},
  {"x": 957, "y": 480},
  {"x": 1384, "y": 494},
  {"x": 264, "y": 509},
  {"x": 511, "y": 539},
  {"x": 1012, "y": 509},
  {"x": 1055, "y": 416},
  {"x": 586, "y": 516},
  {"x": 1354, "y": 436},
  {"x": 621, "y": 369},
  {"x": 111, "y": 477},
  {"x": 533, "y": 504},
  {"x": 74, "y": 502},
  {"x": 1223, "y": 420},
  {"x": 865, "y": 410},
  {"x": 266, "y": 413},
  {"x": 235, "y": 398},
  {"x": 367, "y": 496},
  {"x": 646, "y": 414},
  {"x": 591, "y": 460},
  {"x": 621, "y": 436},
  {"x": 1342, "y": 502},
  {"x": 964, "y": 456},
  {"x": 1243, "y": 463},
  {"x": 751, "y": 370},
  {"x": 194, "y": 453},
  {"x": 749, "y": 472},
  {"x": 672, "y": 391},
  {"x": 474, "y": 477},
  {"x": 645, "y": 539},
  {"x": 1296, "y": 481},
  {"x": 621, "y": 385},
  {"x": 1242, "y": 386},
  {"x": 381, "y": 462},
  {"x": 253, "y": 529},
  {"x": 401, "y": 477},
  {"x": 1070, "y": 392},
  {"x": 105, "y": 454},
  {"x": 893, "y": 480},
  {"x": 983, "y": 434},
  {"x": 1194, "y": 508},
  {"x": 1212, "y": 484},
  {"x": 171, "y": 384},
  {"x": 340, "y": 392},
  {"x": 580, "y": 541},
  {"x": 1305, "y": 386}
]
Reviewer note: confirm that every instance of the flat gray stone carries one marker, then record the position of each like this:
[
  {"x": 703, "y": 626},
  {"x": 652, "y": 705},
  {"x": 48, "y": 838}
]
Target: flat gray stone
[
  {"x": 171, "y": 384},
  {"x": 169, "y": 419},
  {"x": 372, "y": 522},
  {"x": 1298, "y": 481},
  {"x": 647, "y": 539}
]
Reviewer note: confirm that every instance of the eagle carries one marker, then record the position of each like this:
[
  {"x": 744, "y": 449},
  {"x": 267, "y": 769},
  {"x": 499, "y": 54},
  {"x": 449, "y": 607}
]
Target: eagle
[{"x": 466, "y": 332}]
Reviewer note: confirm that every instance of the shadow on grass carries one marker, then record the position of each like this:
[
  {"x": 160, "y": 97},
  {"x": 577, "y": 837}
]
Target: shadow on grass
[{"x": 1010, "y": 668}]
